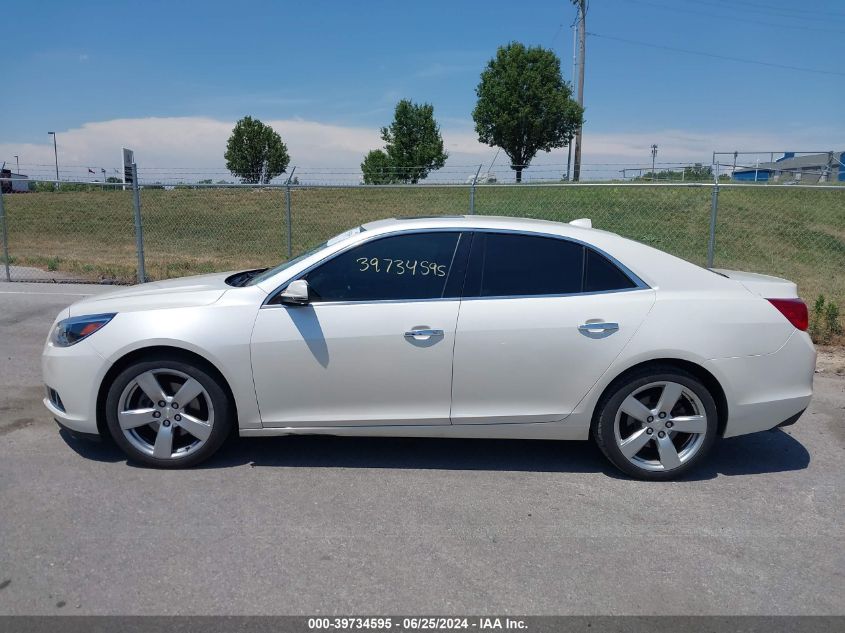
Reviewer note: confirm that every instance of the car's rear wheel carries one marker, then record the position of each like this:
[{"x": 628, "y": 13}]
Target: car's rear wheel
[
  {"x": 168, "y": 413},
  {"x": 657, "y": 423}
]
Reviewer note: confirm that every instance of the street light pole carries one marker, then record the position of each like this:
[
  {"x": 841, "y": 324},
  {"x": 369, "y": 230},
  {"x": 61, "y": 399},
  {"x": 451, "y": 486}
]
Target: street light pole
[
  {"x": 18, "y": 163},
  {"x": 653, "y": 158},
  {"x": 56, "y": 154}
]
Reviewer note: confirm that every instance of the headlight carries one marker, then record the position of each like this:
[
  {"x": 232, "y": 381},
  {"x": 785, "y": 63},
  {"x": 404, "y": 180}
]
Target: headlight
[{"x": 70, "y": 331}]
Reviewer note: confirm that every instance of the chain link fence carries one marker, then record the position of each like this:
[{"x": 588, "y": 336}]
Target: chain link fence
[{"x": 86, "y": 233}]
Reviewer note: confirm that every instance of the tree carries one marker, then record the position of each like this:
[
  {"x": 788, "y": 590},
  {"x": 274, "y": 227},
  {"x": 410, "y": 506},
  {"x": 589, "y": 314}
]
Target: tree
[
  {"x": 376, "y": 168},
  {"x": 524, "y": 105},
  {"x": 413, "y": 146},
  {"x": 255, "y": 152},
  {"x": 698, "y": 172}
]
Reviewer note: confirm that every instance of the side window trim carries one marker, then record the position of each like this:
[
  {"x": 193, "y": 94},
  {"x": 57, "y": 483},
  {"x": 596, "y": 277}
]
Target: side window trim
[
  {"x": 474, "y": 255},
  {"x": 270, "y": 300}
]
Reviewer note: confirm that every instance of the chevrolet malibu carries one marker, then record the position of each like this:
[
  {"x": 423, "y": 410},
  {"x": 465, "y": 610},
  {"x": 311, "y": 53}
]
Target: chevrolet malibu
[{"x": 472, "y": 327}]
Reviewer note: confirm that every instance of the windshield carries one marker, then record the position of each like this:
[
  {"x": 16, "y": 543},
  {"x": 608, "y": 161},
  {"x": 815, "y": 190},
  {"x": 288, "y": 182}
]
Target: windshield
[{"x": 285, "y": 265}]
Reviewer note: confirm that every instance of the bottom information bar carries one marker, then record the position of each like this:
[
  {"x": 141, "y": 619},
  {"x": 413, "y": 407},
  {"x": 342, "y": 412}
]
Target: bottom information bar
[{"x": 410, "y": 624}]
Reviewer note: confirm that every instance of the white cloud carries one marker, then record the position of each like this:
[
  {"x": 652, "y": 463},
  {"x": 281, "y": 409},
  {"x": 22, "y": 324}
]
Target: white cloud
[
  {"x": 186, "y": 142},
  {"x": 198, "y": 143}
]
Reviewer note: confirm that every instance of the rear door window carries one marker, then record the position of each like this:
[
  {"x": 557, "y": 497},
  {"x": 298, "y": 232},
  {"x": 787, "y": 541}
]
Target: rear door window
[
  {"x": 514, "y": 265},
  {"x": 507, "y": 265}
]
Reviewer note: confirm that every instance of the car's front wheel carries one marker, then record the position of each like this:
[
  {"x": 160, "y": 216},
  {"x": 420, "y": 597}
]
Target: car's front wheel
[
  {"x": 168, "y": 413},
  {"x": 657, "y": 423}
]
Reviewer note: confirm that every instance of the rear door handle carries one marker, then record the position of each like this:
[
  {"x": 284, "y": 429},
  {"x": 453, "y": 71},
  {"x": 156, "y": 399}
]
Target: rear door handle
[
  {"x": 423, "y": 333},
  {"x": 599, "y": 326}
]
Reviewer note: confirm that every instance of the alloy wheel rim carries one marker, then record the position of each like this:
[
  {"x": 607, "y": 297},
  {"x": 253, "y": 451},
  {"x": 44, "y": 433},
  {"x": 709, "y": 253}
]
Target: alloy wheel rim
[
  {"x": 660, "y": 426},
  {"x": 165, "y": 414}
]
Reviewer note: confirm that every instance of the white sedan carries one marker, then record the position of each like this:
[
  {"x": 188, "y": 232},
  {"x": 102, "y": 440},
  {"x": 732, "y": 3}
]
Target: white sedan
[{"x": 472, "y": 327}]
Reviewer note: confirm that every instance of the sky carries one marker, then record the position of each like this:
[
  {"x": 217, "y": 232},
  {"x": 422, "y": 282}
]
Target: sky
[{"x": 169, "y": 79}]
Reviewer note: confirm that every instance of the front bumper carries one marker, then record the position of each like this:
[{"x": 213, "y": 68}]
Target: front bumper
[
  {"x": 75, "y": 373},
  {"x": 78, "y": 435}
]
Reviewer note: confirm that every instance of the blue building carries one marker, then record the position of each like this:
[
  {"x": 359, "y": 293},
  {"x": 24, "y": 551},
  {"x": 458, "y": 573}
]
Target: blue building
[{"x": 807, "y": 169}]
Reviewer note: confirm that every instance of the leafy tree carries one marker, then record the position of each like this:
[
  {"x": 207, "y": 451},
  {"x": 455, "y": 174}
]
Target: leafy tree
[
  {"x": 698, "y": 172},
  {"x": 255, "y": 152},
  {"x": 690, "y": 173},
  {"x": 377, "y": 168},
  {"x": 413, "y": 146},
  {"x": 524, "y": 105},
  {"x": 113, "y": 179}
]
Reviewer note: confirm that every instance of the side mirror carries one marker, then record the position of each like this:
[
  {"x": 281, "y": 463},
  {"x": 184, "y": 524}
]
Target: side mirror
[{"x": 296, "y": 293}]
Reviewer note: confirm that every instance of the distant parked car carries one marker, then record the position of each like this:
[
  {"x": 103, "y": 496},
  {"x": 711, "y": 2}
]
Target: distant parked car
[
  {"x": 485, "y": 178},
  {"x": 469, "y": 326}
]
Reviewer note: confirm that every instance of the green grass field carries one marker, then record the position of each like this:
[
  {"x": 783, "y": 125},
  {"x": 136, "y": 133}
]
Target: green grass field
[{"x": 798, "y": 233}]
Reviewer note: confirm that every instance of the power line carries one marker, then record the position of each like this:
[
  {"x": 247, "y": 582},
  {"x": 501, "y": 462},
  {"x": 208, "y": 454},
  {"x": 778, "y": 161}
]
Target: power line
[
  {"x": 717, "y": 56},
  {"x": 768, "y": 10},
  {"x": 720, "y": 18},
  {"x": 559, "y": 29}
]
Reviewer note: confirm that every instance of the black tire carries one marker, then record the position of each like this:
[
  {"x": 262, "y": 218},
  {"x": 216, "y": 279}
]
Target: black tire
[
  {"x": 605, "y": 420},
  {"x": 223, "y": 409}
]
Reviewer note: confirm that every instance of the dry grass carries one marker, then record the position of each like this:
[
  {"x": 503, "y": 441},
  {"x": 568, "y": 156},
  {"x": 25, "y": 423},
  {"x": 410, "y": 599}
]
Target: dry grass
[{"x": 796, "y": 233}]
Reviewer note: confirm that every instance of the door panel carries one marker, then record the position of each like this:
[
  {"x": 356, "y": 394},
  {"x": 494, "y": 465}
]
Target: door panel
[
  {"x": 352, "y": 364},
  {"x": 374, "y": 346},
  {"x": 525, "y": 359}
]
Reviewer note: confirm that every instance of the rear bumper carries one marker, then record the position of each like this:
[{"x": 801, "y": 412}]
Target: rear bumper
[
  {"x": 770, "y": 390},
  {"x": 792, "y": 419}
]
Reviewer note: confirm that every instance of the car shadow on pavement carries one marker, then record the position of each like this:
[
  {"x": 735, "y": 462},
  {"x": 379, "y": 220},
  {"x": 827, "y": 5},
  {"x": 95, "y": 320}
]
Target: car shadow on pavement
[
  {"x": 96, "y": 450},
  {"x": 413, "y": 454},
  {"x": 766, "y": 452}
]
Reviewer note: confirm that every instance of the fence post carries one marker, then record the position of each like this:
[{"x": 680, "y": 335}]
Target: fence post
[
  {"x": 5, "y": 236},
  {"x": 472, "y": 190},
  {"x": 287, "y": 212},
  {"x": 139, "y": 234},
  {"x": 714, "y": 210}
]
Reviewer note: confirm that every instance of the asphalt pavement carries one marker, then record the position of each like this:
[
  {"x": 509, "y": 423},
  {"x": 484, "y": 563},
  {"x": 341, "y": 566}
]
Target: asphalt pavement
[{"x": 318, "y": 525}]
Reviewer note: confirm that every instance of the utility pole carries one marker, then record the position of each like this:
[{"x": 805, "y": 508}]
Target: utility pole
[
  {"x": 653, "y": 158},
  {"x": 56, "y": 154},
  {"x": 574, "y": 70},
  {"x": 582, "y": 36}
]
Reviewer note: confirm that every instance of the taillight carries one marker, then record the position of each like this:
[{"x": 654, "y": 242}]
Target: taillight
[{"x": 794, "y": 310}]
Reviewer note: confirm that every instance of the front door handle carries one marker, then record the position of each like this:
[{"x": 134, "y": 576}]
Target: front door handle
[
  {"x": 598, "y": 326},
  {"x": 423, "y": 333}
]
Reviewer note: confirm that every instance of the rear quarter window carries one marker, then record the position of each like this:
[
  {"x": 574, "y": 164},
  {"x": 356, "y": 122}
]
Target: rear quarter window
[{"x": 601, "y": 274}]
